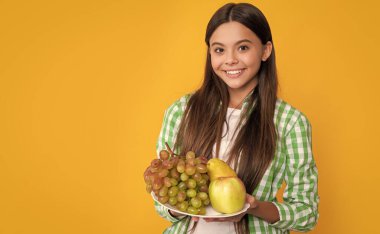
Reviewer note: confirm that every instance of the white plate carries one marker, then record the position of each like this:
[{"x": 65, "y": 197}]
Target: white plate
[{"x": 210, "y": 212}]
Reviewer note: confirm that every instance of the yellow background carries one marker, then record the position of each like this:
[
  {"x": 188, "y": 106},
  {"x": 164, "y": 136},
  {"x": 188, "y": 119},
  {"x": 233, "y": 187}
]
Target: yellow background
[{"x": 84, "y": 84}]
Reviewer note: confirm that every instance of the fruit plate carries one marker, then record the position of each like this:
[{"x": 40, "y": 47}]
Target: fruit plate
[{"x": 210, "y": 212}]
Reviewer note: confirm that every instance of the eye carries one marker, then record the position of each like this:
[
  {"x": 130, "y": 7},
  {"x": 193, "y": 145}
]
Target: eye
[
  {"x": 218, "y": 50},
  {"x": 243, "y": 47}
]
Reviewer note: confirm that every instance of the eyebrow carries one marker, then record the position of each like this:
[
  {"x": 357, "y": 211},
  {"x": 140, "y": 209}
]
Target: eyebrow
[{"x": 238, "y": 42}]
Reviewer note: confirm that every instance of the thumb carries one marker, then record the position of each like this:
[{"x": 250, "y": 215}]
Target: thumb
[{"x": 251, "y": 200}]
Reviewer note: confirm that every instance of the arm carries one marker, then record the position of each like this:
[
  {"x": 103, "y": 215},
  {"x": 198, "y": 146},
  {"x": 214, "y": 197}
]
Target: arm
[
  {"x": 264, "y": 210},
  {"x": 166, "y": 214},
  {"x": 299, "y": 211},
  {"x": 171, "y": 121}
]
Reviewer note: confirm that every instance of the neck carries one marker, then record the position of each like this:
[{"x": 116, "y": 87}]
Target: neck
[{"x": 237, "y": 96}]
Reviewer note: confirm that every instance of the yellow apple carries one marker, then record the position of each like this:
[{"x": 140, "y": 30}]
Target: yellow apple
[{"x": 227, "y": 194}]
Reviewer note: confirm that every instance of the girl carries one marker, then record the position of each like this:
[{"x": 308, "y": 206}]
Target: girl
[{"x": 235, "y": 115}]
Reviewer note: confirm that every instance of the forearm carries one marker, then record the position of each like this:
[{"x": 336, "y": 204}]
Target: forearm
[
  {"x": 164, "y": 212},
  {"x": 266, "y": 211}
]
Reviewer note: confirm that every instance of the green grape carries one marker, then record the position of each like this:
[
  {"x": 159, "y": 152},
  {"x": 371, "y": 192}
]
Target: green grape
[
  {"x": 157, "y": 183},
  {"x": 202, "y": 210},
  {"x": 202, "y": 195},
  {"x": 163, "y": 173},
  {"x": 174, "y": 173},
  {"x": 201, "y": 168},
  {"x": 156, "y": 163},
  {"x": 175, "y": 161},
  {"x": 181, "y": 167},
  {"x": 202, "y": 182},
  {"x": 167, "y": 182},
  {"x": 147, "y": 174},
  {"x": 190, "y": 161},
  {"x": 181, "y": 181},
  {"x": 206, "y": 202},
  {"x": 181, "y": 159},
  {"x": 197, "y": 161},
  {"x": 172, "y": 163},
  {"x": 196, "y": 202},
  {"x": 197, "y": 176},
  {"x": 182, "y": 186},
  {"x": 191, "y": 183},
  {"x": 203, "y": 188},
  {"x": 192, "y": 210},
  {"x": 184, "y": 177},
  {"x": 173, "y": 201},
  {"x": 190, "y": 170},
  {"x": 154, "y": 169},
  {"x": 173, "y": 191},
  {"x": 190, "y": 154},
  {"x": 156, "y": 192},
  {"x": 149, "y": 188},
  {"x": 206, "y": 177},
  {"x": 164, "y": 154},
  {"x": 163, "y": 199},
  {"x": 163, "y": 191},
  {"x": 183, "y": 206},
  {"x": 181, "y": 196},
  {"x": 191, "y": 193},
  {"x": 168, "y": 164},
  {"x": 152, "y": 177},
  {"x": 173, "y": 182}
]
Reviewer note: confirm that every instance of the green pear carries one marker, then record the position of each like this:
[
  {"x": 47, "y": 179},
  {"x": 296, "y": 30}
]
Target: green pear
[{"x": 218, "y": 168}]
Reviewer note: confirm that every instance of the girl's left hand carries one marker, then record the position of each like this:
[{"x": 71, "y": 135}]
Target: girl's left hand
[{"x": 252, "y": 204}]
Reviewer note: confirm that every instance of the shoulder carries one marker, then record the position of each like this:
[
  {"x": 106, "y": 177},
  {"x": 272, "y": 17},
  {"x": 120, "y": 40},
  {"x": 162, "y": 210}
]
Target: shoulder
[
  {"x": 287, "y": 116},
  {"x": 178, "y": 106}
]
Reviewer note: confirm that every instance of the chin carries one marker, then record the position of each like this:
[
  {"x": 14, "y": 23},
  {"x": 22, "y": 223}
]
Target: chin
[{"x": 234, "y": 85}]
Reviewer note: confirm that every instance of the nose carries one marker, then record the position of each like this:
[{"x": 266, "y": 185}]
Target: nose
[{"x": 231, "y": 58}]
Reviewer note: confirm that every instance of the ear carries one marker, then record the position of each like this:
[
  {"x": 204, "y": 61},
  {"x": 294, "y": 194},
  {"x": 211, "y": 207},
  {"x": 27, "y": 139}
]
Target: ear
[{"x": 267, "y": 51}]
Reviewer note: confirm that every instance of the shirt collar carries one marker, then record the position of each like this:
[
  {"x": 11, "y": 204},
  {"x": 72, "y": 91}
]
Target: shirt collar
[{"x": 246, "y": 100}]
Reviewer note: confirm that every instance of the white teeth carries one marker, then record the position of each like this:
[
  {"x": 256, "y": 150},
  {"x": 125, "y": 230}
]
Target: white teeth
[{"x": 233, "y": 72}]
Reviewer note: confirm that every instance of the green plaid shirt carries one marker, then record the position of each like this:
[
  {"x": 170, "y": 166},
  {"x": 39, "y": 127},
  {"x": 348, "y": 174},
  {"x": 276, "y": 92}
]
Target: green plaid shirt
[{"x": 293, "y": 163}]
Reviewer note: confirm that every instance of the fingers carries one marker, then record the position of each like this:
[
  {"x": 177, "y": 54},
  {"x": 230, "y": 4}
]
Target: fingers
[
  {"x": 251, "y": 200},
  {"x": 195, "y": 219},
  {"x": 236, "y": 218},
  {"x": 173, "y": 213},
  {"x": 222, "y": 220},
  {"x": 215, "y": 220}
]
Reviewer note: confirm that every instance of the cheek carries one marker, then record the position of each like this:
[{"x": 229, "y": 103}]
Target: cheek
[
  {"x": 252, "y": 60},
  {"x": 216, "y": 62}
]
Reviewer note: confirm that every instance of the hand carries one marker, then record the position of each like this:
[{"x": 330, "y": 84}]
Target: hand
[
  {"x": 174, "y": 214},
  {"x": 252, "y": 204}
]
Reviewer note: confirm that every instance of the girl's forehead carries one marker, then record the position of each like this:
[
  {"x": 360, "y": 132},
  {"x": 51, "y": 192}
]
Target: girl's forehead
[{"x": 232, "y": 32}]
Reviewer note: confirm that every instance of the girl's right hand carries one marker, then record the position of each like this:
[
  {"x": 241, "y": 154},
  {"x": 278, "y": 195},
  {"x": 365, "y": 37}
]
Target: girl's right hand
[{"x": 174, "y": 214}]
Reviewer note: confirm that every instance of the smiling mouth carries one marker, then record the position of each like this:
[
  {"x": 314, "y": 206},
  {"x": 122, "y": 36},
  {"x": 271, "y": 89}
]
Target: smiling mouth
[{"x": 234, "y": 73}]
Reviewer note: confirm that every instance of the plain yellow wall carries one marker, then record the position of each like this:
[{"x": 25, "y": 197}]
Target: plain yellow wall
[{"x": 84, "y": 84}]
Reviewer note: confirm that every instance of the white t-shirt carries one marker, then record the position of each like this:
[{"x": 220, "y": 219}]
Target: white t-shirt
[{"x": 228, "y": 138}]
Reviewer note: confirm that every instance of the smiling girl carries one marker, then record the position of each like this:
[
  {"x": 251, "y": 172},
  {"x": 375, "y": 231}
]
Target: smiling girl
[{"x": 236, "y": 116}]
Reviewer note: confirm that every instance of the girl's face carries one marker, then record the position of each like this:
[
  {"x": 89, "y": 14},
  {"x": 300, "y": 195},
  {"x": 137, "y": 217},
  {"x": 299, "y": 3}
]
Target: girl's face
[{"x": 236, "y": 55}]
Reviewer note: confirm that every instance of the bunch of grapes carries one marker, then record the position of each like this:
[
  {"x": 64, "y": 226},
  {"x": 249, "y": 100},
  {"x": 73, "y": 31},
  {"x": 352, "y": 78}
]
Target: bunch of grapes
[{"x": 181, "y": 181}]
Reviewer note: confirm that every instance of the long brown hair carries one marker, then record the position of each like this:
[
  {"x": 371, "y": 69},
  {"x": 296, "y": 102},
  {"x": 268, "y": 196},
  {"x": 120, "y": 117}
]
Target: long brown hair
[{"x": 202, "y": 123}]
